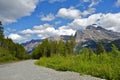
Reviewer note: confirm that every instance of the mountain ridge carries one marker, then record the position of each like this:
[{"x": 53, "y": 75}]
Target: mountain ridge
[
  {"x": 90, "y": 34},
  {"x": 96, "y": 33}
]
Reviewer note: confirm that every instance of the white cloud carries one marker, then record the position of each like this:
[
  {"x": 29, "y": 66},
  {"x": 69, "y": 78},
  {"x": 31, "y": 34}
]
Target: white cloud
[
  {"x": 47, "y": 30},
  {"x": 58, "y": 22},
  {"x": 94, "y": 3},
  {"x": 108, "y": 21},
  {"x": 42, "y": 27},
  {"x": 70, "y": 13},
  {"x": 90, "y": 8},
  {"x": 27, "y": 31},
  {"x": 111, "y": 21},
  {"x": 12, "y": 10},
  {"x": 88, "y": 12},
  {"x": 64, "y": 30},
  {"x": 15, "y": 37},
  {"x": 48, "y": 17},
  {"x": 85, "y": 0},
  {"x": 83, "y": 22},
  {"x": 118, "y": 3}
]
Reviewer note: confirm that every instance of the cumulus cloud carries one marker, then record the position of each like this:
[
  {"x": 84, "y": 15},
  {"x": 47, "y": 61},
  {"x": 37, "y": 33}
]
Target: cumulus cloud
[
  {"x": 70, "y": 13},
  {"x": 111, "y": 21},
  {"x": 108, "y": 21},
  {"x": 48, "y": 17},
  {"x": 47, "y": 30},
  {"x": 15, "y": 37},
  {"x": 12, "y": 10},
  {"x": 118, "y": 3},
  {"x": 27, "y": 31},
  {"x": 94, "y": 3},
  {"x": 83, "y": 22}
]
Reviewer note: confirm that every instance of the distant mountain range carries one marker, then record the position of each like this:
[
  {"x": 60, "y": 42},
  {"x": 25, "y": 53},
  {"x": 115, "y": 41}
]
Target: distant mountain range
[
  {"x": 30, "y": 45},
  {"x": 84, "y": 38}
]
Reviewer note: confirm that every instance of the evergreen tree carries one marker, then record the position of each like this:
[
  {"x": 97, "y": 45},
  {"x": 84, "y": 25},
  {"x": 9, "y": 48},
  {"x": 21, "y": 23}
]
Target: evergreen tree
[
  {"x": 61, "y": 47},
  {"x": 72, "y": 44},
  {"x": 1, "y": 31},
  {"x": 100, "y": 49},
  {"x": 46, "y": 48},
  {"x": 38, "y": 52},
  {"x": 115, "y": 50},
  {"x": 53, "y": 47}
]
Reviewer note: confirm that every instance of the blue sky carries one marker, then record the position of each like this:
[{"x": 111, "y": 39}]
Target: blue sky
[{"x": 24, "y": 20}]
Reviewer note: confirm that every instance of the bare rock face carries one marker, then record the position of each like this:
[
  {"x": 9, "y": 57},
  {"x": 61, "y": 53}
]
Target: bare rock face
[
  {"x": 30, "y": 45},
  {"x": 57, "y": 38},
  {"x": 95, "y": 33}
]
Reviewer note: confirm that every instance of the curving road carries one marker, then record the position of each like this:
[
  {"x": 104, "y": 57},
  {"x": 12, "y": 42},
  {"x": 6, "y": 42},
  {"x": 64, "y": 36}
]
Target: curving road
[{"x": 26, "y": 70}]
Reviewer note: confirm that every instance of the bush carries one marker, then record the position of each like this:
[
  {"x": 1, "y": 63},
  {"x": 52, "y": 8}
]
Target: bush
[
  {"x": 105, "y": 65},
  {"x": 5, "y": 56}
]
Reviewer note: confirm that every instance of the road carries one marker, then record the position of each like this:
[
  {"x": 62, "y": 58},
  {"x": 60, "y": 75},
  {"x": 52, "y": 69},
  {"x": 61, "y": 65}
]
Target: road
[{"x": 26, "y": 70}]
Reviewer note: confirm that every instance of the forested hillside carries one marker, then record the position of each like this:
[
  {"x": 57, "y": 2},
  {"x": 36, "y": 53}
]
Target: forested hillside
[{"x": 10, "y": 51}]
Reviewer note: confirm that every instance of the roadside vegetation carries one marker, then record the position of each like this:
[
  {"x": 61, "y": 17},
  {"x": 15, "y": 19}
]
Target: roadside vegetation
[
  {"x": 10, "y": 51},
  {"x": 60, "y": 56}
]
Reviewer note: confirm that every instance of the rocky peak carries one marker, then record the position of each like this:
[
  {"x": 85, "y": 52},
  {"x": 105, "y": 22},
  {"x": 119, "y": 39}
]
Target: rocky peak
[
  {"x": 95, "y": 27},
  {"x": 91, "y": 27},
  {"x": 96, "y": 33},
  {"x": 100, "y": 28}
]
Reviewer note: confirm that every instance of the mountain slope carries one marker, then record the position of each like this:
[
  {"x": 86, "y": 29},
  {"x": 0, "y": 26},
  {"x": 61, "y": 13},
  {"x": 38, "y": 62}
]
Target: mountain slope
[
  {"x": 30, "y": 45},
  {"x": 96, "y": 33}
]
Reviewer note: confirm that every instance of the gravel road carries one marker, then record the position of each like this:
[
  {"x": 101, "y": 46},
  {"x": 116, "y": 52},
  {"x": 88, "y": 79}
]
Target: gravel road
[{"x": 26, "y": 70}]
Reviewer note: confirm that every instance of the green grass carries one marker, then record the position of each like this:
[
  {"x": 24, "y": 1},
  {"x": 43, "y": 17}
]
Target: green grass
[{"x": 104, "y": 66}]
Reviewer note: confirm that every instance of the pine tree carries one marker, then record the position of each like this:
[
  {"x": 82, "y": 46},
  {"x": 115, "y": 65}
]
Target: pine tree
[
  {"x": 1, "y": 31},
  {"x": 61, "y": 47},
  {"x": 100, "y": 49},
  {"x": 72, "y": 44},
  {"x": 46, "y": 48},
  {"x": 115, "y": 50}
]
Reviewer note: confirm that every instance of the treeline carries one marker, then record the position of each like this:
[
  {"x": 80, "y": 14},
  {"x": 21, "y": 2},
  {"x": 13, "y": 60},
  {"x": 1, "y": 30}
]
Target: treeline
[
  {"x": 97, "y": 63},
  {"x": 9, "y": 50},
  {"x": 48, "y": 48}
]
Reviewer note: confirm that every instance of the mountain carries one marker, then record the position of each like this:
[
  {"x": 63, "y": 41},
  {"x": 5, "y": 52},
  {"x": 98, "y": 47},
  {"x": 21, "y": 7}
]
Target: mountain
[
  {"x": 89, "y": 37},
  {"x": 95, "y": 33},
  {"x": 62, "y": 37},
  {"x": 30, "y": 45}
]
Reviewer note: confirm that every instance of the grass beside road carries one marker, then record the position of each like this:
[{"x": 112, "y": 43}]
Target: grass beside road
[{"x": 104, "y": 66}]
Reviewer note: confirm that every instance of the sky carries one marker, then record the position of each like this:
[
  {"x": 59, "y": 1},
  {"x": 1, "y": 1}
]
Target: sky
[{"x": 24, "y": 20}]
